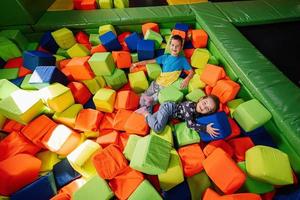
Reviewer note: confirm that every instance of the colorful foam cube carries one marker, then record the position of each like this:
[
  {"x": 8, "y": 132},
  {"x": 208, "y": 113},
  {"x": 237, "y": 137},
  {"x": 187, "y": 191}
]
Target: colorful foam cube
[
  {"x": 169, "y": 94},
  {"x": 210, "y": 147},
  {"x": 21, "y": 106},
  {"x": 127, "y": 99},
  {"x": 145, "y": 49},
  {"x": 174, "y": 174},
  {"x": 240, "y": 196},
  {"x": 32, "y": 59},
  {"x": 16, "y": 36},
  {"x": 185, "y": 135},
  {"x": 10, "y": 73},
  {"x": 121, "y": 119},
  {"x": 80, "y": 92},
  {"x": 57, "y": 97},
  {"x": 166, "y": 134},
  {"x": 94, "y": 39},
  {"x": 122, "y": 59},
  {"x": 138, "y": 81},
  {"x": 180, "y": 191},
  {"x": 93, "y": 189},
  {"x": 130, "y": 146},
  {"x": 212, "y": 74},
  {"x": 18, "y": 171},
  {"x": 260, "y": 136},
  {"x": 210, "y": 194},
  {"x": 132, "y": 41},
  {"x": 136, "y": 124},
  {"x": 225, "y": 90},
  {"x": 287, "y": 193},
  {"x": 182, "y": 27},
  {"x": 78, "y": 50},
  {"x": 49, "y": 159},
  {"x": 156, "y": 37},
  {"x": 240, "y": 146},
  {"x": 152, "y": 26},
  {"x": 134, "y": 57},
  {"x": 64, "y": 38},
  {"x": 200, "y": 58},
  {"x": 251, "y": 115},
  {"x": 88, "y": 120},
  {"x": 110, "y": 41},
  {"x": 68, "y": 116},
  {"x": 108, "y": 137},
  {"x": 151, "y": 155},
  {"x": 79, "y": 68},
  {"x": 233, "y": 104},
  {"x": 117, "y": 80},
  {"x": 8, "y": 49},
  {"x": 145, "y": 190},
  {"x": 196, "y": 83},
  {"x": 94, "y": 84},
  {"x": 181, "y": 33},
  {"x": 153, "y": 70},
  {"x": 104, "y": 4},
  {"x": 165, "y": 31},
  {"x": 195, "y": 95},
  {"x": 269, "y": 165},
  {"x": 102, "y": 63},
  {"x": 104, "y": 100},
  {"x": 199, "y": 38},
  {"x": 213, "y": 60},
  {"x": 88, "y": 4},
  {"x": 121, "y": 3},
  {"x": 6, "y": 88},
  {"x": 220, "y": 121},
  {"x": 177, "y": 84},
  {"x": 198, "y": 184},
  {"x": 106, "y": 28},
  {"x": 2, "y": 121},
  {"x": 48, "y": 43}
]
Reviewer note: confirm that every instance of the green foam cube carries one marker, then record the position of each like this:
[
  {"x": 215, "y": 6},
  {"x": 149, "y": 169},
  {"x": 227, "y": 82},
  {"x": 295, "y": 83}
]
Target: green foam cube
[
  {"x": 95, "y": 188},
  {"x": 102, "y": 63},
  {"x": 251, "y": 115},
  {"x": 177, "y": 85},
  {"x": 117, "y": 80},
  {"x": 26, "y": 85},
  {"x": 153, "y": 70},
  {"x": 151, "y": 155},
  {"x": 195, "y": 95},
  {"x": 233, "y": 104},
  {"x": 130, "y": 146},
  {"x": 8, "y": 49},
  {"x": 185, "y": 135},
  {"x": 17, "y": 37},
  {"x": 156, "y": 37},
  {"x": 58, "y": 58},
  {"x": 269, "y": 165},
  {"x": 198, "y": 184},
  {"x": 166, "y": 134},
  {"x": 78, "y": 50},
  {"x": 108, "y": 27},
  {"x": 213, "y": 60},
  {"x": 138, "y": 81},
  {"x": 21, "y": 106},
  {"x": 94, "y": 39},
  {"x": 6, "y": 88},
  {"x": 196, "y": 83},
  {"x": 64, "y": 38},
  {"x": 200, "y": 58},
  {"x": 134, "y": 57},
  {"x": 121, "y": 3},
  {"x": 32, "y": 46},
  {"x": 174, "y": 174},
  {"x": 169, "y": 94},
  {"x": 94, "y": 84},
  {"x": 62, "y": 52},
  {"x": 104, "y": 100},
  {"x": 165, "y": 31},
  {"x": 145, "y": 191},
  {"x": 252, "y": 185},
  {"x": 9, "y": 73},
  {"x": 68, "y": 116}
]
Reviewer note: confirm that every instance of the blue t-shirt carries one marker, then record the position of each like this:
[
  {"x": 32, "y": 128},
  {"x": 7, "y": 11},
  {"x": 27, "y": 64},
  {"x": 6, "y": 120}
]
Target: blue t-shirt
[{"x": 173, "y": 63}]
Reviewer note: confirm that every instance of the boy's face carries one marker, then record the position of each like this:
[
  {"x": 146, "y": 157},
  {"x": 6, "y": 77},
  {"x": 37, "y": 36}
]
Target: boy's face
[
  {"x": 175, "y": 47},
  {"x": 205, "y": 106}
]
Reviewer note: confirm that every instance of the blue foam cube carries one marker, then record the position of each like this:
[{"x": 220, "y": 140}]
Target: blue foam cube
[
  {"x": 48, "y": 43},
  {"x": 220, "y": 121},
  {"x": 64, "y": 173},
  {"x": 181, "y": 27},
  {"x": 47, "y": 75},
  {"x": 188, "y": 45},
  {"x": 288, "y": 193},
  {"x": 181, "y": 191},
  {"x": 260, "y": 136},
  {"x": 32, "y": 59},
  {"x": 132, "y": 41},
  {"x": 43, "y": 188},
  {"x": 89, "y": 104},
  {"x": 2, "y": 63},
  {"x": 110, "y": 41},
  {"x": 17, "y": 81},
  {"x": 146, "y": 49},
  {"x": 159, "y": 52}
]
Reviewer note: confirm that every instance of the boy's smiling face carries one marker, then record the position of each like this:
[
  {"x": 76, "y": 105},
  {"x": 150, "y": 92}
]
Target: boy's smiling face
[
  {"x": 175, "y": 47},
  {"x": 205, "y": 106}
]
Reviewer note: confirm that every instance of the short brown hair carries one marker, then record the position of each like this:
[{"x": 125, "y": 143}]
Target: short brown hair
[{"x": 177, "y": 37}]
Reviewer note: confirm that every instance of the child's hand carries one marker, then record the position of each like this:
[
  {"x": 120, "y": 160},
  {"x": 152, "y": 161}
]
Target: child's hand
[
  {"x": 213, "y": 132},
  {"x": 133, "y": 65},
  {"x": 184, "y": 83}
]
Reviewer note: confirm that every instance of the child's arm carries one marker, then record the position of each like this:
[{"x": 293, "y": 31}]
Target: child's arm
[
  {"x": 187, "y": 79},
  {"x": 144, "y": 62}
]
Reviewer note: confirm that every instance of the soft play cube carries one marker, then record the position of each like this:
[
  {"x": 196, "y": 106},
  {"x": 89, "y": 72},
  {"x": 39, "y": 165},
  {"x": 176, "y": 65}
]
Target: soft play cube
[
  {"x": 127, "y": 99},
  {"x": 78, "y": 50},
  {"x": 49, "y": 159},
  {"x": 195, "y": 95},
  {"x": 196, "y": 83},
  {"x": 200, "y": 58},
  {"x": 174, "y": 174},
  {"x": 32, "y": 59},
  {"x": 57, "y": 97},
  {"x": 138, "y": 81},
  {"x": 182, "y": 27},
  {"x": 130, "y": 146},
  {"x": 17, "y": 37},
  {"x": 80, "y": 92},
  {"x": 251, "y": 115},
  {"x": 136, "y": 124},
  {"x": 225, "y": 90},
  {"x": 198, "y": 184},
  {"x": 185, "y": 135},
  {"x": 6, "y": 88},
  {"x": 79, "y": 69},
  {"x": 211, "y": 74},
  {"x": 169, "y": 94},
  {"x": 134, "y": 57},
  {"x": 10, "y": 73},
  {"x": 151, "y": 155},
  {"x": 122, "y": 59},
  {"x": 150, "y": 25},
  {"x": 102, "y": 63},
  {"x": 132, "y": 41},
  {"x": 95, "y": 84},
  {"x": 8, "y": 49},
  {"x": 156, "y": 37},
  {"x": 145, "y": 49},
  {"x": 199, "y": 38},
  {"x": 269, "y": 165},
  {"x": 260, "y": 136},
  {"x": 88, "y": 120},
  {"x": 94, "y": 39},
  {"x": 165, "y": 31},
  {"x": 117, "y": 80},
  {"x": 48, "y": 43},
  {"x": 68, "y": 116},
  {"x": 240, "y": 146},
  {"x": 153, "y": 70},
  {"x": 95, "y": 188},
  {"x": 210, "y": 147},
  {"x": 106, "y": 28},
  {"x": 121, "y": 3},
  {"x": 104, "y": 4},
  {"x": 110, "y": 41},
  {"x": 121, "y": 119},
  {"x": 166, "y": 134},
  {"x": 180, "y": 191},
  {"x": 219, "y": 121},
  {"x": 21, "y": 106},
  {"x": 145, "y": 190},
  {"x": 177, "y": 85},
  {"x": 64, "y": 38},
  {"x": 104, "y": 100},
  {"x": 233, "y": 104}
]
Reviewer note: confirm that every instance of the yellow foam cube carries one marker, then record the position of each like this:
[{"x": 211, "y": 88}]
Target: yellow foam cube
[
  {"x": 174, "y": 174},
  {"x": 104, "y": 100},
  {"x": 106, "y": 28},
  {"x": 200, "y": 58},
  {"x": 121, "y": 3},
  {"x": 199, "y": 71},
  {"x": 68, "y": 116},
  {"x": 64, "y": 38},
  {"x": 166, "y": 134},
  {"x": 196, "y": 83},
  {"x": 49, "y": 159},
  {"x": 78, "y": 50},
  {"x": 138, "y": 81}
]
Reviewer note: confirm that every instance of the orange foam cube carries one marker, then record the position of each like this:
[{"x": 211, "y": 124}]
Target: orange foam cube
[
  {"x": 80, "y": 92},
  {"x": 88, "y": 120},
  {"x": 210, "y": 194},
  {"x": 12, "y": 125},
  {"x": 127, "y": 99},
  {"x": 79, "y": 68},
  {"x": 108, "y": 137},
  {"x": 199, "y": 38},
  {"x": 211, "y": 74},
  {"x": 241, "y": 196},
  {"x": 107, "y": 121},
  {"x": 226, "y": 90},
  {"x": 122, "y": 59},
  {"x": 152, "y": 26},
  {"x": 137, "y": 124},
  {"x": 182, "y": 34},
  {"x": 121, "y": 118},
  {"x": 210, "y": 147},
  {"x": 98, "y": 48}
]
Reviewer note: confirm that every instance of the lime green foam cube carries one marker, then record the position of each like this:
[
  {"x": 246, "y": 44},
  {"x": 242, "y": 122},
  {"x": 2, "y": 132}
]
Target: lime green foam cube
[
  {"x": 130, "y": 146},
  {"x": 165, "y": 31},
  {"x": 102, "y": 64},
  {"x": 94, "y": 84},
  {"x": 62, "y": 52},
  {"x": 26, "y": 85},
  {"x": 145, "y": 191},
  {"x": 195, "y": 95},
  {"x": 8, "y": 49},
  {"x": 6, "y": 88},
  {"x": 17, "y": 37},
  {"x": 117, "y": 80},
  {"x": 233, "y": 104},
  {"x": 104, "y": 100},
  {"x": 58, "y": 58},
  {"x": 156, "y": 37},
  {"x": 57, "y": 97},
  {"x": 252, "y": 185},
  {"x": 200, "y": 58},
  {"x": 196, "y": 83},
  {"x": 163, "y": 45},
  {"x": 185, "y": 135},
  {"x": 174, "y": 174},
  {"x": 177, "y": 85},
  {"x": 169, "y": 94},
  {"x": 138, "y": 81},
  {"x": 198, "y": 184},
  {"x": 68, "y": 116},
  {"x": 94, "y": 39},
  {"x": 64, "y": 38},
  {"x": 9, "y": 73},
  {"x": 106, "y": 28},
  {"x": 93, "y": 189},
  {"x": 49, "y": 159},
  {"x": 32, "y": 46},
  {"x": 121, "y": 3},
  {"x": 78, "y": 50},
  {"x": 153, "y": 70},
  {"x": 151, "y": 155},
  {"x": 166, "y": 134},
  {"x": 251, "y": 115},
  {"x": 134, "y": 57},
  {"x": 213, "y": 60},
  {"x": 21, "y": 106},
  {"x": 269, "y": 165},
  {"x": 2, "y": 120}
]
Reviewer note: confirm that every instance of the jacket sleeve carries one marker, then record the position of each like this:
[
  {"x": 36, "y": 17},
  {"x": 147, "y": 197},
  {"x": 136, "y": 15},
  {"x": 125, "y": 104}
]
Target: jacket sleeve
[{"x": 189, "y": 118}]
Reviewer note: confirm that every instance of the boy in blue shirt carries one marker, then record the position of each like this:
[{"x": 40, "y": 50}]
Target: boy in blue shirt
[{"x": 172, "y": 66}]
